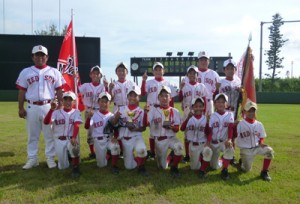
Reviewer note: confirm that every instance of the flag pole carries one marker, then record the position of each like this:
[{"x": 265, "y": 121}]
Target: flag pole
[{"x": 74, "y": 59}]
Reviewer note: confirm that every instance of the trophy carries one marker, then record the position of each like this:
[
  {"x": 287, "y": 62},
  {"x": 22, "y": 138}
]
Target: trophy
[
  {"x": 130, "y": 123},
  {"x": 166, "y": 123}
]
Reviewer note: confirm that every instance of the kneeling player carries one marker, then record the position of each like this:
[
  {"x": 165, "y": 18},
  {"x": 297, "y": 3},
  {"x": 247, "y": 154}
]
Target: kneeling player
[
  {"x": 250, "y": 140},
  {"x": 65, "y": 125},
  {"x": 104, "y": 142},
  {"x": 130, "y": 120},
  {"x": 196, "y": 129}
]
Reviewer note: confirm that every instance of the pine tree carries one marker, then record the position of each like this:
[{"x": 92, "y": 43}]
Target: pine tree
[{"x": 276, "y": 41}]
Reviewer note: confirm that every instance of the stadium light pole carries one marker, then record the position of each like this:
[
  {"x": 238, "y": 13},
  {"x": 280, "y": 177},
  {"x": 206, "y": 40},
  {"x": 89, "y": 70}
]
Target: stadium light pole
[{"x": 260, "y": 54}]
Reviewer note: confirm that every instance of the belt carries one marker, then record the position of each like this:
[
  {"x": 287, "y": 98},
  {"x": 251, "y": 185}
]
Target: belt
[
  {"x": 64, "y": 137},
  {"x": 198, "y": 143},
  {"x": 93, "y": 108},
  {"x": 162, "y": 138},
  {"x": 39, "y": 103},
  {"x": 216, "y": 141},
  {"x": 101, "y": 138},
  {"x": 155, "y": 105},
  {"x": 127, "y": 138},
  {"x": 119, "y": 105}
]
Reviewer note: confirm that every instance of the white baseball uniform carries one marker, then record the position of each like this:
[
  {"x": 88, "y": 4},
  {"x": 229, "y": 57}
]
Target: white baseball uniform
[
  {"x": 219, "y": 124},
  {"x": 231, "y": 89},
  {"x": 249, "y": 135},
  {"x": 90, "y": 95},
  {"x": 196, "y": 135},
  {"x": 40, "y": 86},
  {"x": 164, "y": 138},
  {"x": 102, "y": 140},
  {"x": 62, "y": 128},
  {"x": 132, "y": 141}
]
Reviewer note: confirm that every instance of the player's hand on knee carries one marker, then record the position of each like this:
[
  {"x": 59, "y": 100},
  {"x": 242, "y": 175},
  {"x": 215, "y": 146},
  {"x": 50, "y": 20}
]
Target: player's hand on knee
[
  {"x": 74, "y": 141},
  {"x": 22, "y": 113},
  {"x": 228, "y": 143}
]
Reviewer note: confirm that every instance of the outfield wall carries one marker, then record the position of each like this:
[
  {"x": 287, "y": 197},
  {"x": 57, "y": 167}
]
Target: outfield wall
[{"x": 262, "y": 97}]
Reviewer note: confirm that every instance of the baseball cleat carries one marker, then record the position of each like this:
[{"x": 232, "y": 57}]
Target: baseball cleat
[
  {"x": 202, "y": 174},
  {"x": 265, "y": 176},
  {"x": 92, "y": 156},
  {"x": 224, "y": 174},
  {"x": 234, "y": 162},
  {"x": 51, "y": 163},
  {"x": 75, "y": 172},
  {"x": 30, "y": 163},
  {"x": 150, "y": 155},
  {"x": 142, "y": 171},
  {"x": 174, "y": 172},
  {"x": 115, "y": 170},
  {"x": 121, "y": 155},
  {"x": 186, "y": 159}
]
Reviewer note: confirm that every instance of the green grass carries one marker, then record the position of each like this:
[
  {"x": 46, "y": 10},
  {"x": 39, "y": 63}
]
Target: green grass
[{"x": 43, "y": 185}]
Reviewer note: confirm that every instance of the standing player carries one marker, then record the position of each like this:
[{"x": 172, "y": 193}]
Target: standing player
[
  {"x": 118, "y": 90},
  {"x": 103, "y": 140},
  {"x": 130, "y": 120},
  {"x": 37, "y": 85},
  {"x": 90, "y": 92},
  {"x": 196, "y": 129},
  {"x": 221, "y": 124},
  {"x": 65, "y": 125},
  {"x": 250, "y": 140},
  {"x": 150, "y": 88},
  {"x": 164, "y": 124},
  {"x": 189, "y": 91},
  {"x": 209, "y": 78}
]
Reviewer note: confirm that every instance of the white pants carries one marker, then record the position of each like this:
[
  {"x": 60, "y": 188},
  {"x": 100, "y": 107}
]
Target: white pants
[
  {"x": 101, "y": 147},
  {"x": 62, "y": 147},
  {"x": 195, "y": 153},
  {"x": 35, "y": 125},
  {"x": 136, "y": 144},
  {"x": 228, "y": 153},
  {"x": 247, "y": 155},
  {"x": 162, "y": 146}
]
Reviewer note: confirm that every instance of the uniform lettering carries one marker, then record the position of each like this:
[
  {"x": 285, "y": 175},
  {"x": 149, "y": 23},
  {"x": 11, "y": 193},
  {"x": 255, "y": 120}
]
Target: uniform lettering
[
  {"x": 208, "y": 81},
  {"x": 117, "y": 91},
  {"x": 216, "y": 125},
  {"x": 33, "y": 79},
  {"x": 245, "y": 134},
  {"x": 49, "y": 79},
  {"x": 157, "y": 120},
  {"x": 186, "y": 94},
  {"x": 98, "y": 124},
  {"x": 226, "y": 89},
  {"x": 152, "y": 89},
  {"x": 60, "y": 122}
]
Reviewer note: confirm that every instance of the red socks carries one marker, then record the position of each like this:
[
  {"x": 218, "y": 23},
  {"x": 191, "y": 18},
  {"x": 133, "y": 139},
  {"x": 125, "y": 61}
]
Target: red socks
[
  {"x": 266, "y": 164},
  {"x": 152, "y": 145},
  {"x": 92, "y": 148}
]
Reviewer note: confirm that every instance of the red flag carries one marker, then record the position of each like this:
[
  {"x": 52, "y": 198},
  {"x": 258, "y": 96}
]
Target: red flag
[
  {"x": 66, "y": 64},
  {"x": 246, "y": 74}
]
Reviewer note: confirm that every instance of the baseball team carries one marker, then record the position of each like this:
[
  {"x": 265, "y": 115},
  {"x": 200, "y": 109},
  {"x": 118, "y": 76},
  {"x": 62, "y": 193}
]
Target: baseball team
[{"x": 209, "y": 105}]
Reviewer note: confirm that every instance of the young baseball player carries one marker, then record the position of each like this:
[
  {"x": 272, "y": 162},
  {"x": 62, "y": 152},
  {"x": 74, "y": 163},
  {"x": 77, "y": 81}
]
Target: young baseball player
[
  {"x": 189, "y": 91},
  {"x": 118, "y": 90},
  {"x": 90, "y": 92},
  {"x": 221, "y": 124},
  {"x": 103, "y": 137},
  {"x": 164, "y": 124},
  {"x": 150, "y": 88},
  {"x": 209, "y": 78},
  {"x": 250, "y": 140},
  {"x": 130, "y": 120},
  {"x": 65, "y": 126},
  {"x": 37, "y": 85},
  {"x": 196, "y": 129}
]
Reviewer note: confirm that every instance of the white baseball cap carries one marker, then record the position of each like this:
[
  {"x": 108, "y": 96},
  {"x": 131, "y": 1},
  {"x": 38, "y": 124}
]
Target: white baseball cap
[
  {"x": 163, "y": 87},
  {"x": 192, "y": 67},
  {"x": 135, "y": 89},
  {"x": 196, "y": 99},
  {"x": 69, "y": 94},
  {"x": 158, "y": 64},
  {"x": 203, "y": 54},
  {"x": 39, "y": 48},
  {"x": 104, "y": 94},
  {"x": 121, "y": 64},
  {"x": 220, "y": 95},
  {"x": 229, "y": 61},
  {"x": 96, "y": 68},
  {"x": 250, "y": 104}
]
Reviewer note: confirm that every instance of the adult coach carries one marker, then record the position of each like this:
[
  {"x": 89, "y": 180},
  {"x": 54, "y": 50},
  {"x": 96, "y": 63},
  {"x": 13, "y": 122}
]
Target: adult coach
[{"x": 37, "y": 85}]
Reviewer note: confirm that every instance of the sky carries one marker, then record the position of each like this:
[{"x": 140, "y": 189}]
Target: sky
[{"x": 138, "y": 28}]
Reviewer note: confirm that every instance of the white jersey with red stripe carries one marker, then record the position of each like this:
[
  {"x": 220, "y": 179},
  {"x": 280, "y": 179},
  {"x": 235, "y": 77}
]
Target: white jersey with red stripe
[
  {"x": 152, "y": 87},
  {"x": 195, "y": 129},
  {"x": 137, "y": 120},
  {"x": 232, "y": 89},
  {"x": 119, "y": 92},
  {"x": 90, "y": 94},
  {"x": 190, "y": 92},
  {"x": 98, "y": 123},
  {"x": 156, "y": 117},
  {"x": 63, "y": 122},
  {"x": 248, "y": 135},
  {"x": 40, "y": 84},
  {"x": 219, "y": 124}
]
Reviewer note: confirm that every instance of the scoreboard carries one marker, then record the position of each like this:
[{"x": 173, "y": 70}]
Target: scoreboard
[{"x": 174, "y": 66}]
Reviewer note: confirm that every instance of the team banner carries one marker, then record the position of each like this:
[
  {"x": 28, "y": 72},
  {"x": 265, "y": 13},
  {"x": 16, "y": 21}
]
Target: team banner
[{"x": 68, "y": 67}]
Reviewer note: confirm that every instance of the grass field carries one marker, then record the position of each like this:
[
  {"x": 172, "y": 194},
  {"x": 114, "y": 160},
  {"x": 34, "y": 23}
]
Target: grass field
[{"x": 43, "y": 185}]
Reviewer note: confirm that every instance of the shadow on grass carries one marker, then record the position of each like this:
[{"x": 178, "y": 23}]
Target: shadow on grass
[{"x": 7, "y": 154}]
